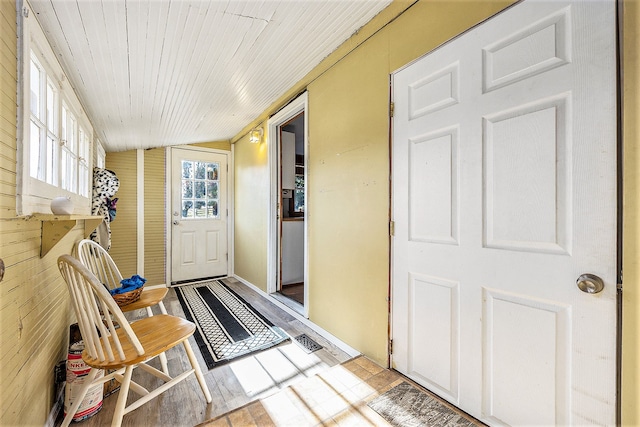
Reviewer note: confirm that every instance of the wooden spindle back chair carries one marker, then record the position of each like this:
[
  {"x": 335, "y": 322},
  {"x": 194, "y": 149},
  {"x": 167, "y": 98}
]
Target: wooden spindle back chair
[{"x": 111, "y": 343}]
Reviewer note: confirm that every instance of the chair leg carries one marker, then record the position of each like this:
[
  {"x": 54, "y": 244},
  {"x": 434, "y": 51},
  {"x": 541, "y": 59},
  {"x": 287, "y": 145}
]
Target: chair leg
[
  {"x": 163, "y": 310},
  {"x": 163, "y": 363},
  {"x": 80, "y": 397},
  {"x": 197, "y": 371},
  {"x": 118, "y": 413}
]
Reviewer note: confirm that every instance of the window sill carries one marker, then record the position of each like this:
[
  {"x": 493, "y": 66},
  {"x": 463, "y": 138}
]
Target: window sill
[{"x": 55, "y": 227}]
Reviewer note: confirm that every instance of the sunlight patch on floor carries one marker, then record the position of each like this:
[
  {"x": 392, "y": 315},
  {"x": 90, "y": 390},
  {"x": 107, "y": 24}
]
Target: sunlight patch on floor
[
  {"x": 274, "y": 369},
  {"x": 336, "y": 394}
]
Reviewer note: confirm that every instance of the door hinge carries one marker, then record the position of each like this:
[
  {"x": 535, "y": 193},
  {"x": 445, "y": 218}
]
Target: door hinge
[
  {"x": 392, "y": 108},
  {"x": 392, "y": 228},
  {"x": 25, "y": 12},
  {"x": 391, "y": 346}
]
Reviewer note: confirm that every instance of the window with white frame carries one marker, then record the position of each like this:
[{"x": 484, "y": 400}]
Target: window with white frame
[
  {"x": 56, "y": 149},
  {"x": 101, "y": 155}
]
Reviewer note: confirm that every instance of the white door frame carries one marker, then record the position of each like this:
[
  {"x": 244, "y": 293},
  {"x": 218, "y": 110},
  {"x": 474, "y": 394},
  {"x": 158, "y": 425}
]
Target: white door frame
[
  {"x": 295, "y": 107},
  {"x": 168, "y": 194}
]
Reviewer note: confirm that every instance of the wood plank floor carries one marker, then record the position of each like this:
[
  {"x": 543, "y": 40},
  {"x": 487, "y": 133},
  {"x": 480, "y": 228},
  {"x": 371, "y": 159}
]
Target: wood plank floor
[
  {"x": 232, "y": 385},
  {"x": 294, "y": 291},
  {"x": 282, "y": 386},
  {"x": 337, "y": 396}
]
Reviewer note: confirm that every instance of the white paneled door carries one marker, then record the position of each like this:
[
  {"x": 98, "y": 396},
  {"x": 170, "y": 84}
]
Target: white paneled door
[
  {"x": 198, "y": 214},
  {"x": 504, "y": 195}
]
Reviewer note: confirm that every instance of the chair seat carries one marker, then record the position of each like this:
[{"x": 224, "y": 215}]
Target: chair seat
[
  {"x": 148, "y": 298},
  {"x": 157, "y": 334}
]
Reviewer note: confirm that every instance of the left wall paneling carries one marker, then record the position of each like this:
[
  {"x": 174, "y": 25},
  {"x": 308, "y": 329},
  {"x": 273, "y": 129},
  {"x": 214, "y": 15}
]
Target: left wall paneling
[{"x": 34, "y": 302}]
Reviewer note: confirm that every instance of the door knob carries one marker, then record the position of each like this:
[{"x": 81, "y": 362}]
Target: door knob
[
  {"x": 590, "y": 283},
  {"x": 176, "y": 222}
]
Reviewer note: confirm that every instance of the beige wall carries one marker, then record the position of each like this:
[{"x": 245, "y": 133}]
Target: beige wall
[{"x": 631, "y": 219}]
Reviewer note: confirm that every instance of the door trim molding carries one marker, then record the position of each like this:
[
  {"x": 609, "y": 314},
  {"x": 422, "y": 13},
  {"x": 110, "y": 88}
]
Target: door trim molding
[
  {"x": 168, "y": 195},
  {"x": 295, "y": 107}
]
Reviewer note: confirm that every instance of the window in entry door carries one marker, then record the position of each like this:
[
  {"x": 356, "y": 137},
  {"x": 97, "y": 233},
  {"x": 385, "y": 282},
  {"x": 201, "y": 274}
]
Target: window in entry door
[{"x": 200, "y": 196}]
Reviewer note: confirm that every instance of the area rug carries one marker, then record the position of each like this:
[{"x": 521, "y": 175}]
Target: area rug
[
  {"x": 406, "y": 406},
  {"x": 227, "y": 327}
]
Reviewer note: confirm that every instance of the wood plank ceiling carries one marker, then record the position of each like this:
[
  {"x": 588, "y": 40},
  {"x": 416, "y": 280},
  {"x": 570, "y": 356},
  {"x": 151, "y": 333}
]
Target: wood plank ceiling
[{"x": 153, "y": 73}]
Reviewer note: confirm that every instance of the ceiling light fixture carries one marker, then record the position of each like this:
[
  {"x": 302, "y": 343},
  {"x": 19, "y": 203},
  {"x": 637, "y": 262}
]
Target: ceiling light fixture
[{"x": 255, "y": 136}]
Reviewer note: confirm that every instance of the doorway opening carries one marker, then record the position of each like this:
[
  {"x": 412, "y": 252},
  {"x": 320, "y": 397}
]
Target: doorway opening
[
  {"x": 292, "y": 192},
  {"x": 288, "y": 220}
]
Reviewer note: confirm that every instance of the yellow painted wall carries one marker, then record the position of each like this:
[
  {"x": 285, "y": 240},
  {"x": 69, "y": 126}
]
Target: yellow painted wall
[
  {"x": 348, "y": 195},
  {"x": 251, "y": 207},
  {"x": 34, "y": 301},
  {"x": 124, "y": 230},
  {"x": 631, "y": 218},
  {"x": 154, "y": 216},
  {"x": 216, "y": 145}
]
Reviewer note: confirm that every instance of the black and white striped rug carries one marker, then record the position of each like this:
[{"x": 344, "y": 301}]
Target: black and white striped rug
[{"x": 227, "y": 327}]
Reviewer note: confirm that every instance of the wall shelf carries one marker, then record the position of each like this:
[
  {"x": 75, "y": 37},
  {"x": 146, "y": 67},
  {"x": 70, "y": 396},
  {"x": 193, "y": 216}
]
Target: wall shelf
[{"x": 55, "y": 227}]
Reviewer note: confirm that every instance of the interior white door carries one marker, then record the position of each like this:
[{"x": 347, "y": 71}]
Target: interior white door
[
  {"x": 199, "y": 214},
  {"x": 504, "y": 193}
]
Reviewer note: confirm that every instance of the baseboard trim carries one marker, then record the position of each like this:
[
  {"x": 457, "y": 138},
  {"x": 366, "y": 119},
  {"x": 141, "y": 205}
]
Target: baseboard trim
[{"x": 327, "y": 335}]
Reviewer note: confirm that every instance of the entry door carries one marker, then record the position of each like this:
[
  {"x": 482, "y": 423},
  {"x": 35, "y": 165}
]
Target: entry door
[
  {"x": 504, "y": 195},
  {"x": 199, "y": 214}
]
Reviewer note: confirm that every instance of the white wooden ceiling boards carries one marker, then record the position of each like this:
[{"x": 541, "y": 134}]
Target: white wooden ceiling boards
[{"x": 154, "y": 73}]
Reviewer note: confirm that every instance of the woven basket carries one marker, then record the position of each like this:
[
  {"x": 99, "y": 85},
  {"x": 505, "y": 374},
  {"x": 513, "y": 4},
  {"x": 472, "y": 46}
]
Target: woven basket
[{"x": 128, "y": 297}]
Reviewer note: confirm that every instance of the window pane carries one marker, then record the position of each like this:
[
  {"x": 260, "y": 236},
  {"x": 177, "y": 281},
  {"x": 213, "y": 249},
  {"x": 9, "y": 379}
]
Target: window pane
[
  {"x": 35, "y": 98},
  {"x": 83, "y": 180},
  {"x": 187, "y": 169},
  {"x": 187, "y": 189},
  {"x": 52, "y": 160},
  {"x": 101, "y": 155},
  {"x": 298, "y": 201},
  {"x": 72, "y": 140},
  {"x": 64, "y": 176},
  {"x": 212, "y": 208},
  {"x": 52, "y": 108},
  {"x": 200, "y": 209},
  {"x": 200, "y": 189},
  {"x": 81, "y": 142},
  {"x": 187, "y": 209},
  {"x": 212, "y": 171},
  {"x": 212, "y": 190},
  {"x": 298, "y": 195},
  {"x": 68, "y": 170},
  {"x": 200, "y": 170},
  {"x": 63, "y": 122},
  {"x": 34, "y": 151}
]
